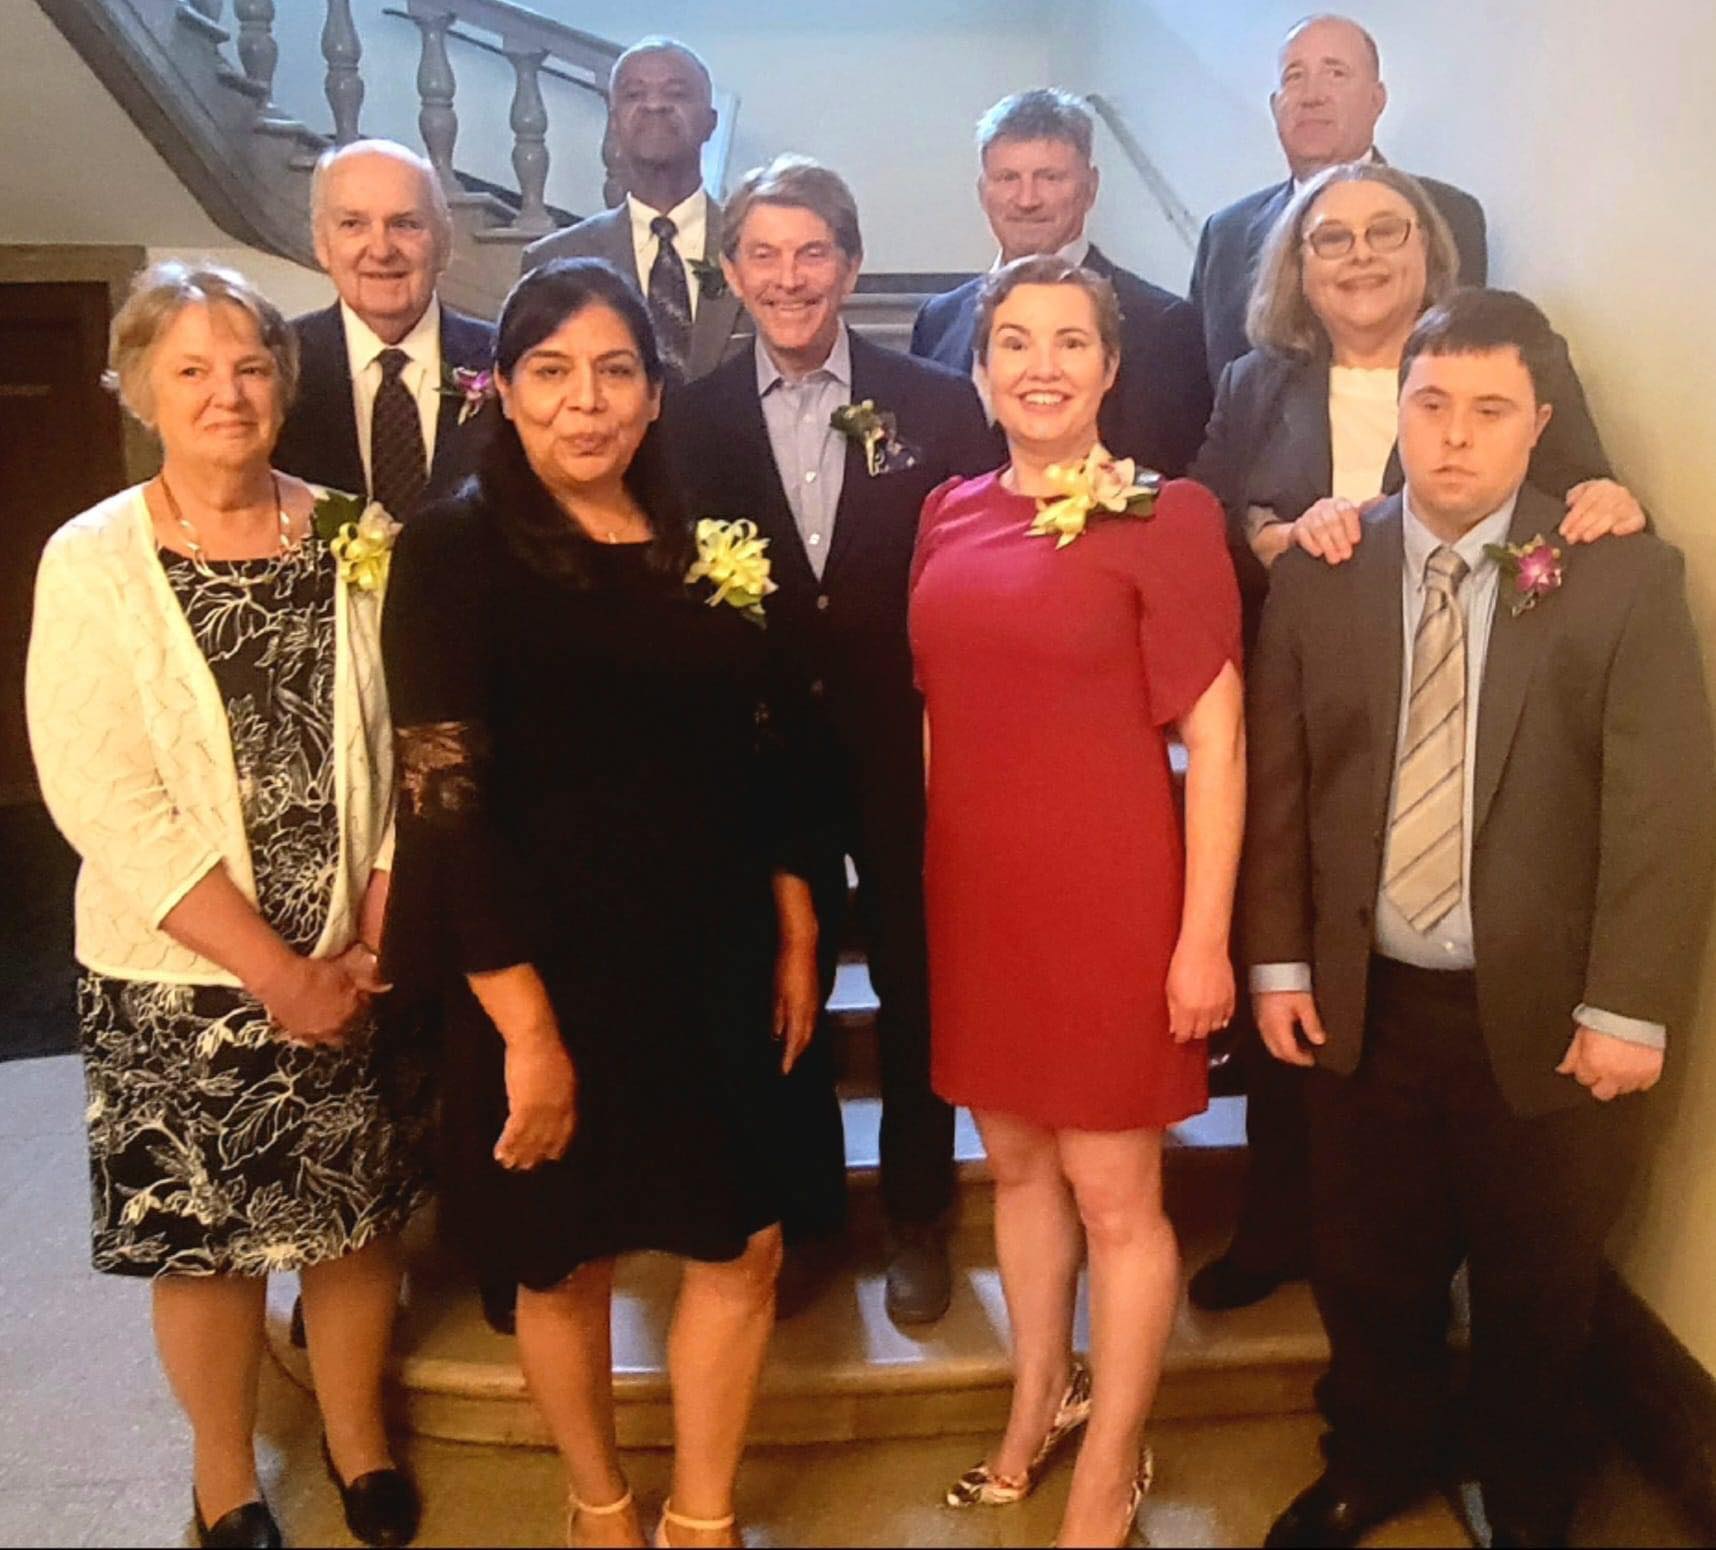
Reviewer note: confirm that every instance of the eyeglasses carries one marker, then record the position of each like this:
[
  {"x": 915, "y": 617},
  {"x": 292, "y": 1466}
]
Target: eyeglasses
[{"x": 1386, "y": 234}]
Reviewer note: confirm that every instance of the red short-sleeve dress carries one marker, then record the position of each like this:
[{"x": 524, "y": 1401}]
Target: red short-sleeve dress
[{"x": 1054, "y": 856}]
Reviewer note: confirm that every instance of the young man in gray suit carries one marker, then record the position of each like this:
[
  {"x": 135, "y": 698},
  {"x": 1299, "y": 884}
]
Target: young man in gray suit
[
  {"x": 1477, "y": 880},
  {"x": 1326, "y": 103},
  {"x": 666, "y": 234}
]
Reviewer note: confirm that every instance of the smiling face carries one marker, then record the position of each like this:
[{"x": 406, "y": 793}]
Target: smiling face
[
  {"x": 793, "y": 277},
  {"x": 1036, "y": 194},
  {"x": 378, "y": 237},
  {"x": 1468, "y": 424},
  {"x": 659, "y": 109},
  {"x": 1328, "y": 97},
  {"x": 214, "y": 389},
  {"x": 1047, "y": 370},
  {"x": 582, "y": 402},
  {"x": 1366, "y": 292}
]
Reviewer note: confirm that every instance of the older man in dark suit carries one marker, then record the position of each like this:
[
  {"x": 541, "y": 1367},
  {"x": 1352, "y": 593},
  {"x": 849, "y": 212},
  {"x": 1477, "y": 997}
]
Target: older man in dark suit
[
  {"x": 756, "y": 439},
  {"x": 1328, "y": 97},
  {"x": 665, "y": 235},
  {"x": 1038, "y": 184},
  {"x": 1477, "y": 880},
  {"x": 380, "y": 408}
]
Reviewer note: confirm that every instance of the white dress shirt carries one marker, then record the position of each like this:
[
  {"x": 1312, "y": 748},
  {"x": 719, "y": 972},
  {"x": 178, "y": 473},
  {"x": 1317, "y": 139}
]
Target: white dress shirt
[
  {"x": 690, "y": 218},
  {"x": 422, "y": 376},
  {"x": 810, "y": 455}
]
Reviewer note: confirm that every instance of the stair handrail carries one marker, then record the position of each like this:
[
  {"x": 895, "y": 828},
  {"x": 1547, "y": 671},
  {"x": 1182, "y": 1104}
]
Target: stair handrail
[{"x": 1174, "y": 209}]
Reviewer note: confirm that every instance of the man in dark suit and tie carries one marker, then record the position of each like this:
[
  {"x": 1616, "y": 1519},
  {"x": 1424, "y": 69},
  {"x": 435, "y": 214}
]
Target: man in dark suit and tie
[
  {"x": 1037, "y": 184},
  {"x": 756, "y": 439},
  {"x": 665, "y": 235},
  {"x": 379, "y": 408},
  {"x": 1328, "y": 97},
  {"x": 1477, "y": 881}
]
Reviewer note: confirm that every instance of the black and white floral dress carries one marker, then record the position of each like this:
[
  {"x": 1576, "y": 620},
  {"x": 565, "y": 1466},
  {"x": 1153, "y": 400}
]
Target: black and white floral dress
[{"x": 215, "y": 1146}]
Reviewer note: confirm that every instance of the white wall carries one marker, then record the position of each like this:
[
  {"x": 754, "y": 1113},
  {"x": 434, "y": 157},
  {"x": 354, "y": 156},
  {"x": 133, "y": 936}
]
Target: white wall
[{"x": 1589, "y": 132}]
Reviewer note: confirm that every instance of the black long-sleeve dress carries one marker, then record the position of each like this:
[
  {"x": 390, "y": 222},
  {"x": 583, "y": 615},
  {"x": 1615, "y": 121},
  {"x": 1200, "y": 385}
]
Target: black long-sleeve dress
[{"x": 594, "y": 784}]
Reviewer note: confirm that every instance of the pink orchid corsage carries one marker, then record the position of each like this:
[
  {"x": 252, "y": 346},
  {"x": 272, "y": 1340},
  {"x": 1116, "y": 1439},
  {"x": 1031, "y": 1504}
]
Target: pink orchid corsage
[
  {"x": 472, "y": 387},
  {"x": 1534, "y": 567}
]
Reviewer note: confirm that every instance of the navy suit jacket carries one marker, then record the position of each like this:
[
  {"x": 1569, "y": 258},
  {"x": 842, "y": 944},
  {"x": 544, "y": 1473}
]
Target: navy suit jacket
[
  {"x": 844, "y": 633},
  {"x": 319, "y": 441},
  {"x": 1158, "y": 406},
  {"x": 1227, "y": 253}
]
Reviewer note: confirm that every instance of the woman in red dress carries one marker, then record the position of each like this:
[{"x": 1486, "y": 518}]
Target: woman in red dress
[{"x": 1078, "y": 946}]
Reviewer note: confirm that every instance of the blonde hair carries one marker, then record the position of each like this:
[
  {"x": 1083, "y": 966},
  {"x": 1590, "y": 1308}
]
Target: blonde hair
[
  {"x": 158, "y": 295},
  {"x": 1278, "y": 317},
  {"x": 799, "y": 183},
  {"x": 1047, "y": 269}
]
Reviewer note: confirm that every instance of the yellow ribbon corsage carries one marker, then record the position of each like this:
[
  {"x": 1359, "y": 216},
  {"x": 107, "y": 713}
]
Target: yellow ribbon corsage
[
  {"x": 1099, "y": 486},
  {"x": 734, "y": 560},
  {"x": 364, "y": 548}
]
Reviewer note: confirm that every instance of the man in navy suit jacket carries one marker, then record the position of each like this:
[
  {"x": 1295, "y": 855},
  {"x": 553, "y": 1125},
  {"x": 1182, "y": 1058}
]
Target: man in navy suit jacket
[
  {"x": 1326, "y": 104},
  {"x": 1037, "y": 186},
  {"x": 383, "y": 233}
]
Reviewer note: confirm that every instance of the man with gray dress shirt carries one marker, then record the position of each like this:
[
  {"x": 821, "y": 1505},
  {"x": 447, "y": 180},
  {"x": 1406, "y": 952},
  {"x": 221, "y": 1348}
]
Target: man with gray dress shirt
[
  {"x": 1477, "y": 878},
  {"x": 758, "y": 438}
]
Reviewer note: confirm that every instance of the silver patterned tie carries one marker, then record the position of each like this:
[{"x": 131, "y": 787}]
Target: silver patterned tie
[{"x": 1426, "y": 833}]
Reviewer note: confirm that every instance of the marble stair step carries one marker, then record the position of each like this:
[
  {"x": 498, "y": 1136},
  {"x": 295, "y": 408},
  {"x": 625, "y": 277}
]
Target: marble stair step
[{"x": 841, "y": 1369}]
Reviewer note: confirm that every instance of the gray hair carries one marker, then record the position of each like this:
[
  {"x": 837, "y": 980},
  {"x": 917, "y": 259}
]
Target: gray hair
[
  {"x": 158, "y": 295},
  {"x": 1043, "y": 113},
  {"x": 660, "y": 44},
  {"x": 1278, "y": 317},
  {"x": 440, "y": 212},
  {"x": 1047, "y": 269},
  {"x": 1344, "y": 21},
  {"x": 800, "y": 183}
]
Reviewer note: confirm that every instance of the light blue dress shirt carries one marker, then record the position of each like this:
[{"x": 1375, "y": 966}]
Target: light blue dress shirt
[
  {"x": 1448, "y": 944},
  {"x": 810, "y": 455}
]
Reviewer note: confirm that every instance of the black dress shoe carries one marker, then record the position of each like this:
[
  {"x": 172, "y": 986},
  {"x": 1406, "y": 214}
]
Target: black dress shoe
[
  {"x": 298, "y": 1337},
  {"x": 250, "y": 1527},
  {"x": 382, "y": 1507},
  {"x": 500, "y": 1306},
  {"x": 1223, "y": 1285},
  {"x": 1334, "y": 1513},
  {"x": 920, "y": 1279}
]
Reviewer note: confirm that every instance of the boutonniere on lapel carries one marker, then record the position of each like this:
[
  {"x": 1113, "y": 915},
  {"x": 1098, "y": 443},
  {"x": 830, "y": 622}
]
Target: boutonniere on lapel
[
  {"x": 473, "y": 388},
  {"x": 734, "y": 559},
  {"x": 361, "y": 537},
  {"x": 1100, "y": 486},
  {"x": 876, "y": 431},
  {"x": 711, "y": 277},
  {"x": 1534, "y": 568}
]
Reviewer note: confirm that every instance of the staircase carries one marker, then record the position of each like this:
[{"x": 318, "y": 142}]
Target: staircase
[{"x": 200, "y": 83}]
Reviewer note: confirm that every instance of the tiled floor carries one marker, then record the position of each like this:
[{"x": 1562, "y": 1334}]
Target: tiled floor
[{"x": 92, "y": 1450}]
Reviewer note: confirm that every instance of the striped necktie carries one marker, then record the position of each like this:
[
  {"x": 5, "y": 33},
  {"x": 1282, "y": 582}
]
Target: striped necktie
[
  {"x": 1426, "y": 852},
  {"x": 670, "y": 295}
]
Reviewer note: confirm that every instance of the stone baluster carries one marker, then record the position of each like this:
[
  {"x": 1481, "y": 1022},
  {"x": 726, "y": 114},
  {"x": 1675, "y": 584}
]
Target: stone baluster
[
  {"x": 207, "y": 8},
  {"x": 257, "y": 50},
  {"x": 530, "y": 140},
  {"x": 342, "y": 51},
  {"x": 436, "y": 121}
]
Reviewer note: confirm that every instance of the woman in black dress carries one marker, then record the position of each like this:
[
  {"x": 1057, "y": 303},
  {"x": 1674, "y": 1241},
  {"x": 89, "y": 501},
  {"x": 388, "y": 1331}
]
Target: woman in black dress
[{"x": 599, "y": 858}]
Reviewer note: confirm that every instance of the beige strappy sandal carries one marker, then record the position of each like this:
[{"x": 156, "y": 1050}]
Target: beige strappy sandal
[
  {"x": 576, "y": 1509},
  {"x": 691, "y": 1525}
]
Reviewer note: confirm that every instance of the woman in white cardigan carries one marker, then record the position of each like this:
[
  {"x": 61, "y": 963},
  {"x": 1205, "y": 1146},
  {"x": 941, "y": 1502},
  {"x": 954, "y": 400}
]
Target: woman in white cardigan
[{"x": 209, "y": 722}]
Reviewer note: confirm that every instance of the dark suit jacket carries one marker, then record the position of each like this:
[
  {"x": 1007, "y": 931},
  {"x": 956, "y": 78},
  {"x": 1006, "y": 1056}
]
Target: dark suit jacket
[
  {"x": 1156, "y": 410},
  {"x": 1231, "y": 239},
  {"x": 846, "y": 633},
  {"x": 1269, "y": 444},
  {"x": 319, "y": 440},
  {"x": 1593, "y": 792},
  {"x": 609, "y": 236}
]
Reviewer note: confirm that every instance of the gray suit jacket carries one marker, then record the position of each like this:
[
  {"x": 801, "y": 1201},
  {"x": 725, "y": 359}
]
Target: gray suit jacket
[
  {"x": 609, "y": 236},
  {"x": 1594, "y": 786}
]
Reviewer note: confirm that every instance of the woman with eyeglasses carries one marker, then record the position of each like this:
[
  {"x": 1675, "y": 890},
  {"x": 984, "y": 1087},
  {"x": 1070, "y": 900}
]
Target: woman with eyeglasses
[{"x": 1300, "y": 443}]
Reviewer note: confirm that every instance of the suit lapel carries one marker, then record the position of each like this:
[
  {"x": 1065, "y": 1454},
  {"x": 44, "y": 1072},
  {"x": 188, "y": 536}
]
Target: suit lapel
[
  {"x": 857, "y": 487},
  {"x": 616, "y": 240},
  {"x": 1515, "y": 647},
  {"x": 328, "y": 385},
  {"x": 1380, "y": 626},
  {"x": 1305, "y": 415}
]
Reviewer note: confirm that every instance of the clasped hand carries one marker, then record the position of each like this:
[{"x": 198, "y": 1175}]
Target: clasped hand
[{"x": 317, "y": 1000}]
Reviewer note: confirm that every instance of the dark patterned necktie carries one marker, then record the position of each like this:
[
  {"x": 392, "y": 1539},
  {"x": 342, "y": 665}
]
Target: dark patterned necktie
[
  {"x": 398, "y": 464},
  {"x": 670, "y": 295}
]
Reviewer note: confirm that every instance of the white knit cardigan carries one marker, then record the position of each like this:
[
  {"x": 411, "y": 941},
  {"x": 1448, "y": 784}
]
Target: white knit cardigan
[{"x": 134, "y": 752}]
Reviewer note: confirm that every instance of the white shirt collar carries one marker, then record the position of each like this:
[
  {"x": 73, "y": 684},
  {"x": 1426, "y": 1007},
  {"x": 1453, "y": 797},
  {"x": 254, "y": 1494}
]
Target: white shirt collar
[
  {"x": 690, "y": 219},
  {"x": 422, "y": 344},
  {"x": 1299, "y": 183},
  {"x": 838, "y": 365},
  {"x": 1075, "y": 253},
  {"x": 1420, "y": 543}
]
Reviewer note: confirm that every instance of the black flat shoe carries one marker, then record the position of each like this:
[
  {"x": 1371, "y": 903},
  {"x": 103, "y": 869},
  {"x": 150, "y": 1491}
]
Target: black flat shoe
[
  {"x": 1222, "y": 1286},
  {"x": 500, "y": 1306},
  {"x": 250, "y": 1527},
  {"x": 1334, "y": 1513},
  {"x": 382, "y": 1507}
]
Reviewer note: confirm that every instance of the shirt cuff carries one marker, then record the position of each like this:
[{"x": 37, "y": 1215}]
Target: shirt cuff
[
  {"x": 1634, "y": 1030},
  {"x": 1279, "y": 976}
]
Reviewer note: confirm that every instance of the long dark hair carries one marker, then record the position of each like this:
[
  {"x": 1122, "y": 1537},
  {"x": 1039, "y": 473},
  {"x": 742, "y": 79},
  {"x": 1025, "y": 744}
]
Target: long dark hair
[{"x": 531, "y": 520}]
